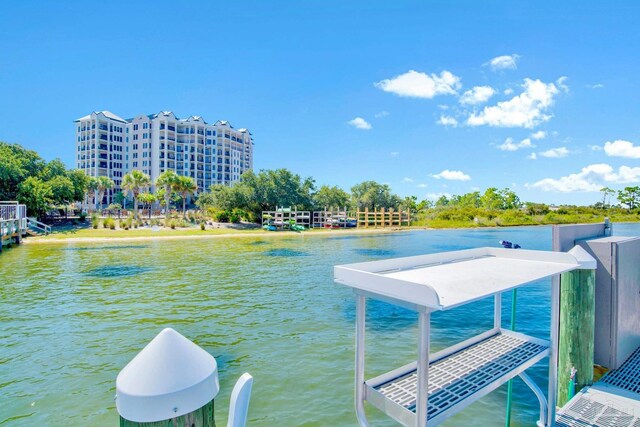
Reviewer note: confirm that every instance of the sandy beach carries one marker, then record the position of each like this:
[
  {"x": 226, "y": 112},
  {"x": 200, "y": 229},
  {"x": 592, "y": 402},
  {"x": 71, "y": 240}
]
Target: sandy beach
[{"x": 238, "y": 234}]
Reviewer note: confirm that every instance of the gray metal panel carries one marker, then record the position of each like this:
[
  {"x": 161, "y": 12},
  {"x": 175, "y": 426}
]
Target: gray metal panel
[
  {"x": 564, "y": 237},
  {"x": 626, "y": 299},
  {"x": 617, "y": 293}
]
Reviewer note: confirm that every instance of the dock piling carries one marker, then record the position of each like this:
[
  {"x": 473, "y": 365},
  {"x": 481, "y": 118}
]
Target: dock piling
[{"x": 577, "y": 325}]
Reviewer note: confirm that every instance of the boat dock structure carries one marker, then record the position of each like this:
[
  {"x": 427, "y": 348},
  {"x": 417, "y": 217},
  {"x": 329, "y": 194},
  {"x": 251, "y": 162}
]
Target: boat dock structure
[
  {"x": 595, "y": 319},
  {"x": 15, "y": 224}
]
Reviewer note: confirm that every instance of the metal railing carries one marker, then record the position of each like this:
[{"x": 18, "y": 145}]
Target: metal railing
[{"x": 37, "y": 225}]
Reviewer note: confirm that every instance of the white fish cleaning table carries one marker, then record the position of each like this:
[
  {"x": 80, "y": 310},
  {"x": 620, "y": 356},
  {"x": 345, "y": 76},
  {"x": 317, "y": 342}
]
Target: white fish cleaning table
[{"x": 436, "y": 386}]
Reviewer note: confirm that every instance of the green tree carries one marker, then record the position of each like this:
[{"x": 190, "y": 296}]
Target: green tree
[
  {"x": 330, "y": 197},
  {"x": 372, "y": 195},
  {"x": 167, "y": 181},
  {"x": 135, "y": 182},
  {"x": 409, "y": 203},
  {"x": 147, "y": 200},
  {"x": 36, "y": 194},
  {"x": 16, "y": 165},
  {"x": 269, "y": 189},
  {"x": 629, "y": 196},
  {"x": 606, "y": 195},
  {"x": 53, "y": 169},
  {"x": 469, "y": 200},
  {"x": 92, "y": 191},
  {"x": 492, "y": 199},
  {"x": 104, "y": 184},
  {"x": 80, "y": 181},
  {"x": 120, "y": 199},
  {"x": 442, "y": 201},
  {"x": 185, "y": 186},
  {"x": 510, "y": 199},
  {"x": 62, "y": 190}
]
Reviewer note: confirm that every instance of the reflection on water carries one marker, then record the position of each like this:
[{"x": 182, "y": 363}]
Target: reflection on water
[
  {"x": 116, "y": 271},
  {"x": 377, "y": 252},
  {"x": 103, "y": 248},
  {"x": 71, "y": 319},
  {"x": 285, "y": 252}
]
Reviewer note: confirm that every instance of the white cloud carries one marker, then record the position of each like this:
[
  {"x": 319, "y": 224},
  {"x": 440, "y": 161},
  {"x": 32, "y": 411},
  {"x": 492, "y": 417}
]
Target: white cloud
[
  {"x": 503, "y": 62},
  {"x": 394, "y": 154},
  {"x": 508, "y": 91},
  {"x": 436, "y": 196},
  {"x": 422, "y": 186},
  {"x": 590, "y": 178},
  {"x": 360, "y": 123},
  {"x": 539, "y": 135},
  {"x": 447, "y": 121},
  {"x": 532, "y": 156},
  {"x": 595, "y": 86},
  {"x": 561, "y": 85},
  {"x": 421, "y": 85},
  {"x": 381, "y": 114},
  {"x": 452, "y": 175},
  {"x": 525, "y": 110},
  {"x": 510, "y": 145},
  {"x": 621, "y": 148},
  {"x": 407, "y": 179},
  {"x": 595, "y": 148},
  {"x": 443, "y": 106},
  {"x": 555, "y": 153},
  {"x": 477, "y": 95}
]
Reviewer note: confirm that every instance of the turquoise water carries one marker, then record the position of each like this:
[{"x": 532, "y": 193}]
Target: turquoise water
[{"x": 73, "y": 315}]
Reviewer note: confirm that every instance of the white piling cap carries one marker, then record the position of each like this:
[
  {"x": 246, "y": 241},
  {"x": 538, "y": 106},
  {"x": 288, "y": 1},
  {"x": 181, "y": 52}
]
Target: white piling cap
[{"x": 170, "y": 377}]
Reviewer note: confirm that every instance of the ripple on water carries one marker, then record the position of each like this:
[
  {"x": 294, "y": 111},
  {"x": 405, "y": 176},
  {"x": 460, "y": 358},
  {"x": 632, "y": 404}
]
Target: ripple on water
[
  {"x": 102, "y": 248},
  {"x": 259, "y": 242},
  {"x": 284, "y": 252},
  {"x": 107, "y": 271},
  {"x": 375, "y": 252}
]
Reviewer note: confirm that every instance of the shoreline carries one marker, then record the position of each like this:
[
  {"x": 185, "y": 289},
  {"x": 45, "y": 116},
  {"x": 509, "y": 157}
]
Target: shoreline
[
  {"x": 237, "y": 234},
  {"x": 234, "y": 233}
]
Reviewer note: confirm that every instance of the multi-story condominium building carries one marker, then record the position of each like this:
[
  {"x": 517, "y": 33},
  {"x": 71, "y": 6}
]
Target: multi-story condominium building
[{"x": 107, "y": 145}]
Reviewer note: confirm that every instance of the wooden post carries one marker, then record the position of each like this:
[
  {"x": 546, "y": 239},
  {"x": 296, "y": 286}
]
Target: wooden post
[
  {"x": 169, "y": 402},
  {"x": 577, "y": 325},
  {"x": 366, "y": 217},
  {"x": 202, "y": 417}
]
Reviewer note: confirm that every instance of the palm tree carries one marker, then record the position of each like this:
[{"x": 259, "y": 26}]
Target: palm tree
[
  {"x": 167, "y": 180},
  {"x": 147, "y": 199},
  {"x": 92, "y": 190},
  {"x": 135, "y": 181},
  {"x": 185, "y": 186},
  {"x": 103, "y": 184}
]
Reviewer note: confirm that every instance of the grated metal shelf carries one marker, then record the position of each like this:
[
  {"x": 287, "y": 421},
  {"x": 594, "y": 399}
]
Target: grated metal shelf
[
  {"x": 458, "y": 378},
  {"x": 595, "y": 408},
  {"x": 626, "y": 376}
]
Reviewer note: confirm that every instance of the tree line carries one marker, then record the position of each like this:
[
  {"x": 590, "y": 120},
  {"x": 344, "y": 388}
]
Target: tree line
[{"x": 26, "y": 177}]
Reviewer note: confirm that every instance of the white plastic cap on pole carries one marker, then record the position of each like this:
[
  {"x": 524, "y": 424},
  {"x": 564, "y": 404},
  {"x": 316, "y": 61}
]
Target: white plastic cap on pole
[{"x": 169, "y": 378}]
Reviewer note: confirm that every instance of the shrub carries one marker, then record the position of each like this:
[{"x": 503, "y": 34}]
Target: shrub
[
  {"x": 202, "y": 227},
  {"x": 95, "y": 221},
  {"x": 82, "y": 216},
  {"x": 109, "y": 223},
  {"x": 222, "y": 216},
  {"x": 112, "y": 225}
]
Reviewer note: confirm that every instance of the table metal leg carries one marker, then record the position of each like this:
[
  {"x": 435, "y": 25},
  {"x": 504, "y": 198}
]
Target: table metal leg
[
  {"x": 422, "y": 394},
  {"x": 360, "y": 343}
]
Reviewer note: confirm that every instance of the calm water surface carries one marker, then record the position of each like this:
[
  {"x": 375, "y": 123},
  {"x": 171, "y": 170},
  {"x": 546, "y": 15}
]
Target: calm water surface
[{"x": 73, "y": 315}]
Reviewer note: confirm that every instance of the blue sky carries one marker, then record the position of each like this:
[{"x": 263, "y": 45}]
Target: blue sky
[{"x": 429, "y": 97}]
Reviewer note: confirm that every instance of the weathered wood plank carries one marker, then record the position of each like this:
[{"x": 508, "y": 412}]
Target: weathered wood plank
[
  {"x": 577, "y": 325},
  {"x": 202, "y": 417}
]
